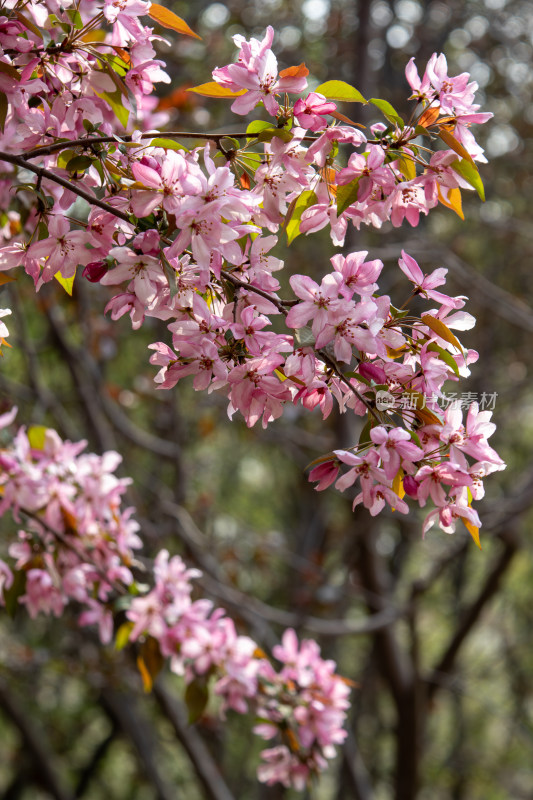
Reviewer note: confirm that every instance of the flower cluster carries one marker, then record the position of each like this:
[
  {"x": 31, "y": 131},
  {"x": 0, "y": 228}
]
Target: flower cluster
[
  {"x": 304, "y": 702},
  {"x": 189, "y": 237},
  {"x": 76, "y": 545}
]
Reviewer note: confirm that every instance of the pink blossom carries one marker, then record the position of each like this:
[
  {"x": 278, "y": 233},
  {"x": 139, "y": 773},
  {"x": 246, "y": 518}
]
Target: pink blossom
[
  {"x": 309, "y": 113},
  {"x": 62, "y": 251},
  {"x": 257, "y": 72},
  {"x": 370, "y": 171},
  {"x": 395, "y": 446},
  {"x": 425, "y": 284}
]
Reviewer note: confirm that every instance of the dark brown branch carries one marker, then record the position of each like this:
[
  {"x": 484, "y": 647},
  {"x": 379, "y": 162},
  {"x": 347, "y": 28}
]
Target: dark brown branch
[
  {"x": 122, "y": 710},
  {"x": 205, "y": 766},
  {"x": 89, "y": 770},
  {"x": 46, "y": 397},
  {"x": 398, "y": 669},
  {"x": 246, "y": 605},
  {"x": 280, "y": 305},
  {"x": 48, "y": 150},
  {"x": 34, "y": 744},
  {"x": 85, "y": 388},
  {"x": 41, "y": 172},
  {"x": 119, "y": 588},
  {"x": 423, "y": 585},
  {"x": 441, "y": 673}
]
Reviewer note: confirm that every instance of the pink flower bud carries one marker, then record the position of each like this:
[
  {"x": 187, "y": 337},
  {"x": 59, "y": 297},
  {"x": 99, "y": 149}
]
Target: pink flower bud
[
  {"x": 95, "y": 271},
  {"x": 325, "y": 473},
  {"x": 372, "y": 372},
  {"x": 410, "y": 486}
]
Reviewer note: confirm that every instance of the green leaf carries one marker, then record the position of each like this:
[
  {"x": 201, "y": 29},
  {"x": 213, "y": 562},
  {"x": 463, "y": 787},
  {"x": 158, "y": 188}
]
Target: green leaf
[
  {"x": 229, "y": 143},
  {"x": 340, "y": 90},
  {"x": 270, "y": 133},
  {"x": 170, "y": 274},
  {"x": 196, "y": 699},
  {"x": 398, "y": 313},
  {"x": 365, "y": 433},
  {"x": 168, "y": 144},
  {"x": 306, "y": 200},
  {"x": 346, "y": 195},
  {"x": 117, "y": 64},
  {"x": 79, "y": 164},
  {"x": 421, "y": 131},
  {"x": 64, "y": 157},
  {"x": 444, "y": 356},
  {"x": 388, "y": 111},
  {"x": 416, "y": 439},
  {"x": 256, "y": 126},
  {"x": 470, "y": 173},
  {"x": 116, "y": 103},
  {"x": 358, "y": 377},
  {"x": 251, "y": 161},
  {"x": 75, "y": 17},
  {"x": 54, "y": 22}
]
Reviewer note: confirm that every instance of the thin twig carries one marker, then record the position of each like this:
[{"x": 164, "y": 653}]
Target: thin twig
[
  {"x": 203, "y": 762},
  {"x": 48, "y": 150},
  {"x": 41, "y": 172}
]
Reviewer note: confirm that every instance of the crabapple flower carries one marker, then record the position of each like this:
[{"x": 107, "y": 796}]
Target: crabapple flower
[
  {"x": 257, "y": 72},
  {"x": 395, "y": 446},
  {"x": 425, "y": 284},
  {"x": 310, "y": 113}
]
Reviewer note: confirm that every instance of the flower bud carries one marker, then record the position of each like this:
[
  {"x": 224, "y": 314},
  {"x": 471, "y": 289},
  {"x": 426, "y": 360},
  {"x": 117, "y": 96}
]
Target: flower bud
[
  {"x": 372, "y": 372},
  {"x": 410, "y": 486},
  {"x": 95, "y": 271}
]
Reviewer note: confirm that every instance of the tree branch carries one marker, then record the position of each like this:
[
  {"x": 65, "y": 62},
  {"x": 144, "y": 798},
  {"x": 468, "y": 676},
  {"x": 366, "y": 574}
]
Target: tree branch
[
  {"x": 205, "y": 766},
  {"x": 247, "y": 605},
  {"x": 41, "y": 172},
  {"x": 48, "y": 150},
  {"x": 121, "y": 709},
  {"x": 34, "y": 745},
  {"x": 440, "y": 674}
]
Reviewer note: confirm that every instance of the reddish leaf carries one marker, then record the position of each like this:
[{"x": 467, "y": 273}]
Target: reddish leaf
[
  {"x": 429, "y": 117},
  {"x": 300, "y": 71}
]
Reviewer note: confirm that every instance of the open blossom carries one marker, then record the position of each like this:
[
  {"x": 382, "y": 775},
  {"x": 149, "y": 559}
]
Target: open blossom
[
  {"x": 310, "y": 113},
  {"x": 257, "y": 72},
  {"x": 370, "y": 171},
  {"x": 130, "y": 8},
  {"x": 425, "y": 285},
  {"x": 395, "y": 446},
  {"x": 62, "y": 251}
]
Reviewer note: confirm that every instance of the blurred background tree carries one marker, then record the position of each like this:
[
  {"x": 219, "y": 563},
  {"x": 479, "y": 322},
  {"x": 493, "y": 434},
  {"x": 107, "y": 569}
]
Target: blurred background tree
[{"x": 435, "y": 633}]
